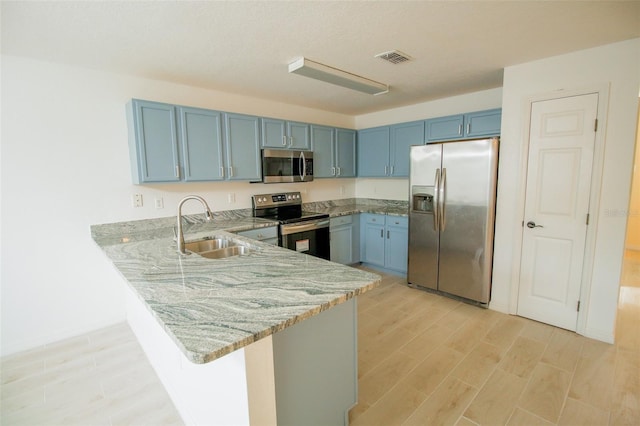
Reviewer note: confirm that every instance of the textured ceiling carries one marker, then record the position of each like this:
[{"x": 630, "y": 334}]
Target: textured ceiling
[{"x": 245, "y": 46}]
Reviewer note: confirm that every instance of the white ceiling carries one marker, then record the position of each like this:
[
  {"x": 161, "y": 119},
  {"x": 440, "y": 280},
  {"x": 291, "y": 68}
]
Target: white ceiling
[{"x": 245, "y": 46}]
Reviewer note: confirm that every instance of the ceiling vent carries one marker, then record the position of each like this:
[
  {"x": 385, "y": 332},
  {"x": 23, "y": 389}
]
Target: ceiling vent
[{"x": 394, "y": 56}]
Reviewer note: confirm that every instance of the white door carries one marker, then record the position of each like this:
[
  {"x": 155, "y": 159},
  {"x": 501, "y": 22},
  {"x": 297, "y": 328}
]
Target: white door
[{"x": 561, "y": 145}]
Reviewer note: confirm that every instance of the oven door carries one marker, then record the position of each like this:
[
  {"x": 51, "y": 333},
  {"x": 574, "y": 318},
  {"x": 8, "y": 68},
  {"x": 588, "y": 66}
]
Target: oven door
[
  {"x": 280, "y": 165},
  {"x": 309, "y": 237}
]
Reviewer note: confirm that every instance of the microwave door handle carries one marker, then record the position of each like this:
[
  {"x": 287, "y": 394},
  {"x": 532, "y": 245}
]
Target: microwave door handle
[{"x": 304, "y": 166}]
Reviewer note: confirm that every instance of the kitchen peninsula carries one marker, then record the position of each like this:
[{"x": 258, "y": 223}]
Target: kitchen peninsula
[{"x": 265, "y": 337}]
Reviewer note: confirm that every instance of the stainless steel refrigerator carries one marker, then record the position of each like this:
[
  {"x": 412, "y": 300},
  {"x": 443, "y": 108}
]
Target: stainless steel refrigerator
[{"x": 451, "y": 217}]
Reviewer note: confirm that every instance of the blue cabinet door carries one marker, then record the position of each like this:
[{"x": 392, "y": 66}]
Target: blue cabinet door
[
  {"x": 242, "y": 143},
  {"x": 373, "y": 152},
  {"x": 273, "y": 133},
  {"x": 153, "y": 142},
  {"x": 285, "y": 134},
  {"x": 323, "y": 151},
  {"x": 345, "y": 239},
  {"x": 445, "y": 128},
  {"x": 345, "y": 157},
  {"x": 396, "y": 244},
  {"x": 201, "y": 140},
  {"x": 373, "y": 239},
  {"x": 298, "y": 136},
  {"x": 483, "y": 123},
  {"x": 402, "y": 137},
  {"x": 341, "y": 242}
]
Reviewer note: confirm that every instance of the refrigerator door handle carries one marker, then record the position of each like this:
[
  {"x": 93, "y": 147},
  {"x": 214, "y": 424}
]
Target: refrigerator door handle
[
  {"x": 436, "y": 210},
  {"x": 442, "y": 200}
]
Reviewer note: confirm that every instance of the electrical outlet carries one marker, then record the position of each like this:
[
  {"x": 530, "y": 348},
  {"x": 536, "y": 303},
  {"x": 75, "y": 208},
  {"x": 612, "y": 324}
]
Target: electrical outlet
[
  {"x": 232, "y": 198},
  {"x": 159, "y": 203},
  {"x": 136, "y": 200}
]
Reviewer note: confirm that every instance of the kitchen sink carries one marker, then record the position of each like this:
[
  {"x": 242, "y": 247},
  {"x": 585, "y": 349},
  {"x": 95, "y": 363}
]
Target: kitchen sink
[
  {"x": 221, "y": 253},
  {"x": 216, "y": 248}
]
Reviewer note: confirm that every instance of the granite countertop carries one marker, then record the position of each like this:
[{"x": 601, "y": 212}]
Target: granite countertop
[
  {"x": 359, "y": 205},
  {"x": 213, "y": 307}
]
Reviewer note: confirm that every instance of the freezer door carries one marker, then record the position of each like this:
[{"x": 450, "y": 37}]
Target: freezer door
[
  {"x": 469, "y": 172},
  {"x": 423, "y": 235}
]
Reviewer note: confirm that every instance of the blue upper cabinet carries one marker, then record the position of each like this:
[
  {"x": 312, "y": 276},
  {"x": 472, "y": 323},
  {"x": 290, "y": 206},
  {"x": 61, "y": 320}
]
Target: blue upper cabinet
[
  {"x": 201, "y": 140},
  {"x": 384, "y": 151},
  {"x": 445, "y": 128},
  {"x": 470, "y": 125},
  {"x": 373, "y": 152},
  {"x": 334, "y": 152},
  {"x": 345, "y": 153},
  {"x": 153, "y": 142},
  {"x": 483, "y": 123},
  {"x": 242, "y": 137},
  {"x": 285, "y": 134},
  {"x": 403, "y": 136},
  {"x": 298, "y": 134},
  {"x": 322, "y": 141}
]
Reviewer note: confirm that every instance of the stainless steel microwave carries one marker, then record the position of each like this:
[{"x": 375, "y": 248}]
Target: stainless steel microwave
[{"x": 280, "y": 165}]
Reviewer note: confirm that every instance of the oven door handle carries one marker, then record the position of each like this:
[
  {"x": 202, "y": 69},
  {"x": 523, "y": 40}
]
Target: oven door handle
[{"x": 305, "y": 226}]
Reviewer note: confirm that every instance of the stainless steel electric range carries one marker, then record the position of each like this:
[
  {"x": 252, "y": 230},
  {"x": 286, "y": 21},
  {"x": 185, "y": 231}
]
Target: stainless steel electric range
[{"x": 302, "y": 231}]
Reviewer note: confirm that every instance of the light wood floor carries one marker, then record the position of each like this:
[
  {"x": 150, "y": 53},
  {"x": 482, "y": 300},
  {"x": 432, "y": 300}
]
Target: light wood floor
[
  {"x": 423, "y": 360},
  {"x": 428, "y": 360}
]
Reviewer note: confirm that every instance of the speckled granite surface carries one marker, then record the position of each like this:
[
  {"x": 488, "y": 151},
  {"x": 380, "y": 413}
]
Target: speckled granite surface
[
  {"x": 359, "y": 205},
  {"x": 213, "y": 307}
]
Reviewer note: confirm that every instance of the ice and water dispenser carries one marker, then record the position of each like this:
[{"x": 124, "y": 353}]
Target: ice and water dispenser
[{"x": 422, "y": 199}]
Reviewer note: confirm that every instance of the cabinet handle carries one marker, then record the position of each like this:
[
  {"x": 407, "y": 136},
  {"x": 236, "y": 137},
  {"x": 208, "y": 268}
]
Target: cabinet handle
[
  {"x": 460, "y": 129},
  {"x": 290, "y": 140},
  {"x": 391, "y": 170},
  {"x": 284, "y": 141},
  {"x": 178, "y": 171},
  {"x": 387, "y": 235},
  {"x": 230, "y": 171},
  {"x": 221, "y": 171},
  {"x": 338, "y": 171},
  {"x": 468, "y": 128},
  {"x": 386, "y": 170},
  {"x": 381, "y": 233},
  {"x": 333, "y": 171}
]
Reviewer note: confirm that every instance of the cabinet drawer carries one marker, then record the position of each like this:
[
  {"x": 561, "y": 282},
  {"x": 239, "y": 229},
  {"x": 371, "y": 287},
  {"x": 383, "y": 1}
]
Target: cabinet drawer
[
  {"x": 399, "y": 221},
  {"x": 261, "y": 233},
  {"x": 374, "y": 218},
  {"x": 341, "y": 220}
]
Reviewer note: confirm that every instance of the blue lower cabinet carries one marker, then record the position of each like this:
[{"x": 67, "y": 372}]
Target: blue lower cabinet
[
  {"x": 384, "y": 241},
  {"x": 396, "y": 244}
]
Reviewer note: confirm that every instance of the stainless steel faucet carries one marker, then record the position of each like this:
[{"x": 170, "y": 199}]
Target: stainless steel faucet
[{"x": 180, "y": 234}]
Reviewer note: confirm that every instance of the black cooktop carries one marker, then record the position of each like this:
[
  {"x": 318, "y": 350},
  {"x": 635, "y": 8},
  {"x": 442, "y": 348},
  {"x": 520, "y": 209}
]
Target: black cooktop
[{"x": 285, "y": 207}]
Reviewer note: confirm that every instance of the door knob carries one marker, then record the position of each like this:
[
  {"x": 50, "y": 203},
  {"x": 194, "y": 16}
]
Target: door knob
[{"x": 532, "y": 224}]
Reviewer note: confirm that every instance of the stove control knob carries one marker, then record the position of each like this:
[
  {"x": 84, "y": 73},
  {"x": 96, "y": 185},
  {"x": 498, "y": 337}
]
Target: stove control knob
[
  {"x": 298, "y": 196},
  {"x": 288, "y": 197}
]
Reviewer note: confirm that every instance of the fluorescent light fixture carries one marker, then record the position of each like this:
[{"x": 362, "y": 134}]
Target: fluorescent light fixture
[{"x": 332, "y": 75}]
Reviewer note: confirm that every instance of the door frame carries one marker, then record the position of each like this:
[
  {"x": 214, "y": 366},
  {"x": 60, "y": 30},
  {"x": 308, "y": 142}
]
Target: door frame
[{"x": 594, "y": 196}]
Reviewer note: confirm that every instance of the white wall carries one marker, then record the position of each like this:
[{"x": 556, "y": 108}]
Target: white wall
[
  {"x": 633, "y": 225},
  {"x": 398, "y": 189},
  {"x": 619, "y": 66},
  {"x": 65, "y": 166}
]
